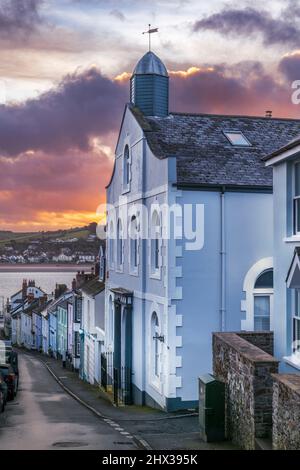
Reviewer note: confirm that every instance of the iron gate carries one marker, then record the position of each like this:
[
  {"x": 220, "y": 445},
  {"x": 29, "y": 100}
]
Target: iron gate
[{"x": 116, "y": 381}]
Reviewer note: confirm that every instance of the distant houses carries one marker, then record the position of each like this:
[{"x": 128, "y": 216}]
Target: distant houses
[{"x": 67, "y": 324}]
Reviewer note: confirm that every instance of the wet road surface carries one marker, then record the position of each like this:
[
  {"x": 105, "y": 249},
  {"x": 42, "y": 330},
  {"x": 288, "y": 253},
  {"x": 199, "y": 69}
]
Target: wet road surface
[{"x": 44, "y": 417}]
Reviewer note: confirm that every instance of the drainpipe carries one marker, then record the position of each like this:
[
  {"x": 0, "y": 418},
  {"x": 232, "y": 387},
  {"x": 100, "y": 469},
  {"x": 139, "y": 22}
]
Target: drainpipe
[
  {"x": 223, "y": 262},
  {"x": 143, "y": 264}
]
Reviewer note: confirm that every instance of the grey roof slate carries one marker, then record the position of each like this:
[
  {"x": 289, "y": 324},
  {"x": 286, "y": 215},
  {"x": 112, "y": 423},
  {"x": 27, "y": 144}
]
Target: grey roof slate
[
  {"x": 290, "y": 145},
  {"x": 93, "y": 287},
  {"x": 204, "y": 154}
]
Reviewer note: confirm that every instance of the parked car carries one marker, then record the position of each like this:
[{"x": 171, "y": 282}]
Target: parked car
[
  {"x": 4, "y": 392},
  {"x": 5, "y": 351},
  {"x": 14, "y": 363},
  {"x": 11, "y": 380},
  {"x": 2, "y": 404}
]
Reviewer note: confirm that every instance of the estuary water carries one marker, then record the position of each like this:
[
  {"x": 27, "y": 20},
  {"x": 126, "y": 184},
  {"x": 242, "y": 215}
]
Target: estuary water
[{"x": 11, "y": 279}]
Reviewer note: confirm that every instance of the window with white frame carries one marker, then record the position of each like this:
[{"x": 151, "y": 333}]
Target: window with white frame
[
  {"x": 126, "y": 169},
  {"x": 111, "y": 321},
  {"x": 88, "y": 315},
  {"x": 120, "y": 244},
  {"x": 155, "y": 345},
  {"x": 263, "y": 301},
  {"x": 77, "y": 344},
  {"x": 297, "y": 199},
  {"x": 133, "y": 245},
  {"x": 296, "y": 323},
  {"x": 155, "y": 243}
]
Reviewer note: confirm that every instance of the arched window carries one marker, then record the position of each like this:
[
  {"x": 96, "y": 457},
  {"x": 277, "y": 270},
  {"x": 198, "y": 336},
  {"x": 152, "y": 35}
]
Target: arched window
[
  {"x": 126, "y": 168},
  {"x": 155, "y": 345},
  {"x": 133, "y": 243},
  {"x": 111, "y": 244},
  {"x": 120, "y": 256},
  {"x": 258, "y": 301},
  {"x": 263, "y": 301},
  {"x": 155, "y": 243}
]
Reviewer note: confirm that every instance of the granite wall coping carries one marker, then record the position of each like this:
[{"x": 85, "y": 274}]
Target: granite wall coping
[
  {"x": 291, "y": 381},
  {"x": 244, "y": 348}
]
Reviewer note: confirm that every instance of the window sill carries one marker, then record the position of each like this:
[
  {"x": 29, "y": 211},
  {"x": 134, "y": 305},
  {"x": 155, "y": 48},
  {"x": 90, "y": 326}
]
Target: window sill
[
  {"x": 156, "y": 275},
  {"x": 292, "y": 239},
  {"x": 120, "y": 270},
  {"x": 134, "y": 272},
  {"x": 126, "y": 190},
  {"x": 292, "y": 361}
]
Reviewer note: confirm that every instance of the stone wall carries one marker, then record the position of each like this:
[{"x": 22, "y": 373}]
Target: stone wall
[
  {"x": 286, "y": 415},
  {"x": 247, "y": 372},
  {"x": 263, "y": 340}
]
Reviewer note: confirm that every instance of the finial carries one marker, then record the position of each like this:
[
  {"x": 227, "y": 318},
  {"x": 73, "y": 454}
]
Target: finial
[{"x": 150, "y": 31}]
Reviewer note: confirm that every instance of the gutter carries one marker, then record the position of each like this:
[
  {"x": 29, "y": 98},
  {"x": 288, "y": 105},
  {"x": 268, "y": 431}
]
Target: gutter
[{"x": 221, "y": 187}]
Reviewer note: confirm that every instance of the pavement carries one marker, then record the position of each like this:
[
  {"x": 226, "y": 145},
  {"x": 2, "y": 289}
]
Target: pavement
[{"x": 148, "y": 428}]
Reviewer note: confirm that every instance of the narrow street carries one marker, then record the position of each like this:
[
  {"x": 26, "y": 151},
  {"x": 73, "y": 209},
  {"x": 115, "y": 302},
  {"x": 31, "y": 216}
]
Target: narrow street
[{"x": 44, "y": 417}]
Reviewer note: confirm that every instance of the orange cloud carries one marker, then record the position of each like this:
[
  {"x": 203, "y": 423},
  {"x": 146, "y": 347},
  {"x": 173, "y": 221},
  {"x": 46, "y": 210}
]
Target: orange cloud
[
  {"x": 123, "y": 77},
  {"x": 189, "y": 72}
]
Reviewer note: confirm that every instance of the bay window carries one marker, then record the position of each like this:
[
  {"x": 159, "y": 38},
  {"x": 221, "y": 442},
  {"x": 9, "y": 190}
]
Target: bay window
[
  {"x": 297, "y": 199},
  {"x": 296, "y": 323}
]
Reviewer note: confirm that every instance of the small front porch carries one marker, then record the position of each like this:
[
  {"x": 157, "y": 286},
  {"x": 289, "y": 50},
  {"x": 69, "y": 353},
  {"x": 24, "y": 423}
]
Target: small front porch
[{"x": 116, "y": 365}]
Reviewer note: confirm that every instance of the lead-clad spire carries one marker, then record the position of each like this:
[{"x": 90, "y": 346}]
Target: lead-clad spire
[{"x": 149, "y": 86}]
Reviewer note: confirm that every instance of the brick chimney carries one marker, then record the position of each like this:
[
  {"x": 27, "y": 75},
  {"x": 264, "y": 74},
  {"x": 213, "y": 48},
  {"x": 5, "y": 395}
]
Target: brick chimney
[
  {"x": 269, "y": 114},
  {"x": 60, "y": 289},
  {"x": 24, "y": 289},
  {"x": 43, "y": 300}
]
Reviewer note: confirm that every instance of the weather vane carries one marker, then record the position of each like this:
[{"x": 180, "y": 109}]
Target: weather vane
[{"x": 150, "y": 31}]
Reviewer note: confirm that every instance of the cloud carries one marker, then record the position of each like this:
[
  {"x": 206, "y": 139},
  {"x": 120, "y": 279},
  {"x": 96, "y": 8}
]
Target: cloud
[
  {"x": 289, "y": 66},
  {"x": 248, "y": 21},
  {"x": 56, "y": 150},
  {"x": 118, "y": 14},
  {"x": 244, "y": 88},
  {"x": 40, "y": 189},
  {"x": 18, "y": 16},
  {"x": 84, "y": 105}
]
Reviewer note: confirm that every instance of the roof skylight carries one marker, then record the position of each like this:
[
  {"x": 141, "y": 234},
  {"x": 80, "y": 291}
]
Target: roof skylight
[{"x": 237, "y": 138}]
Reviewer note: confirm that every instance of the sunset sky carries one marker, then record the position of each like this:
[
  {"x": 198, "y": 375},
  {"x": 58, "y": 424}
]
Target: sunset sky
[{"x": 64, "y": 70}]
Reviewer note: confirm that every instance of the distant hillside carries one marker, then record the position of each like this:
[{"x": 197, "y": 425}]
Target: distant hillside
[{"x": 82, "y": 233}]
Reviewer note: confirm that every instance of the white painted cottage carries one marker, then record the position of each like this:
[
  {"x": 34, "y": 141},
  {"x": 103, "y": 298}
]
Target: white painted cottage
[{"x": 92, "y": 329}]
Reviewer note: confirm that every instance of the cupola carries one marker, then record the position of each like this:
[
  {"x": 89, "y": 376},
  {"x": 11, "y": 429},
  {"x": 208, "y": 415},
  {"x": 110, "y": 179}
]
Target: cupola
[{"x": 149, "y": 86}]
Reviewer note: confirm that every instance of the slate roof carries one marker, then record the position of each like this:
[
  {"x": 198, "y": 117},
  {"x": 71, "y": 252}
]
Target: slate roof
[
  {"x": 290, "y": 145},
  {"x": 93, "y": 287},
  {"x": 204, "y": 154},
  {"x": 31, "y": 307}
]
